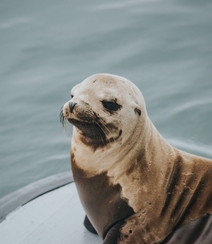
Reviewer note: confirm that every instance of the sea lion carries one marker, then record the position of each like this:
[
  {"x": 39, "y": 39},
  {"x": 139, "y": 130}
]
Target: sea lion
[{"x": 133, "y": 185}]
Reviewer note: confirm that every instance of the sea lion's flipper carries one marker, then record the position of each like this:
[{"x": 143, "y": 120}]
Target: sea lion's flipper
[
  {"x": 130, "y": 230},
  {"x": 88, "y": 225},
  {"x": 113, "y": 235}
]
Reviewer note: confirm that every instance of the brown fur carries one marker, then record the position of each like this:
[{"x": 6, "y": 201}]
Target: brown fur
[{"x": 134, "y": 186}]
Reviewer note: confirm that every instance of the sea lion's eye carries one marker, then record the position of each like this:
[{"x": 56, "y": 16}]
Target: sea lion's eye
[
  {"x": 72, "y": 96},
  {"x": 111, "y": 106}
]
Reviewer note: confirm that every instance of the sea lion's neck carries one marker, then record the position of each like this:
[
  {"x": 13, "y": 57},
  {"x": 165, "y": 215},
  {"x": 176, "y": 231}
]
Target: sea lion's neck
[{"x": 146, "y": 168}]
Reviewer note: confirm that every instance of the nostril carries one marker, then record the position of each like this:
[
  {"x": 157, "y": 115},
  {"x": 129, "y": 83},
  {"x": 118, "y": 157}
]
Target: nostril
[{"x": 71, "y": 106}]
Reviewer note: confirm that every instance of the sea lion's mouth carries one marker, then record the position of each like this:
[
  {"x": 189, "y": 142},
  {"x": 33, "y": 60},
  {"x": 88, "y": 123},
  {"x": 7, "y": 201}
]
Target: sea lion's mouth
[
  {"x": 89, "y": 129},
  {"x": 92, "y": 129}
]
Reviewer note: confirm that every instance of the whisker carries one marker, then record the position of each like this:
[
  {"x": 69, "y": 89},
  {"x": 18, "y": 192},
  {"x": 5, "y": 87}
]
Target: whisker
[
  {"x": 103, "y": 127},
  {"x": 108, "y": 130},
  {"x": 103, "y": 141},
  {"x": 62, "y": 119}
]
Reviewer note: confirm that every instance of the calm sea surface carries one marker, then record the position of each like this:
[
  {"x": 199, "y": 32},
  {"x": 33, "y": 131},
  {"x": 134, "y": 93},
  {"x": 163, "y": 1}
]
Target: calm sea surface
[{"x": 46, "y": 47}]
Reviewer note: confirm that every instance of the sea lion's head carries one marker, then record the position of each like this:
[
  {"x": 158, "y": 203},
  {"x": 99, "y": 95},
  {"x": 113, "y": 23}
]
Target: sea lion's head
[{"x": 102, "y": 108}]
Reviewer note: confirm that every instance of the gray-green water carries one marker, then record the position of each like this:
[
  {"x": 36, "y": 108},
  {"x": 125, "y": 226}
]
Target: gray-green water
[{"x": 46, "y": 47}]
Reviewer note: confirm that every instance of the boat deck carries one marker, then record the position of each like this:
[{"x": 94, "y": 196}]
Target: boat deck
[{"x": 53, "y": 217}]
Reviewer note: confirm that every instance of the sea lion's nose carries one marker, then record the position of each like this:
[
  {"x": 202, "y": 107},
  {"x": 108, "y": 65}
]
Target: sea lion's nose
[{"x": 71, "y": 106}]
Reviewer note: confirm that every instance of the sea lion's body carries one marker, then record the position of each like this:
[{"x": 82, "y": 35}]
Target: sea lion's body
[{"x": 134, "y": 186}]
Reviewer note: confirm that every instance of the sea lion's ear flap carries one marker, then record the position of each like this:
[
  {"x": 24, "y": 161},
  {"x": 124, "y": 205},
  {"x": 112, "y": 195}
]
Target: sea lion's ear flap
[{"x": 138, "y": 111}]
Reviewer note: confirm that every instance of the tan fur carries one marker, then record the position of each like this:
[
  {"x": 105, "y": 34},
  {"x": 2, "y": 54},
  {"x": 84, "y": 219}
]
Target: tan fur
[{"x": 164, "y": 186}]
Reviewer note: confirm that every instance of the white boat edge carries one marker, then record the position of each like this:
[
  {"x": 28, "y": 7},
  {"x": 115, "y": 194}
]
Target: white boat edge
[
  {"x": 26, "y": 194},
  {"x": 46, "y": 211}
]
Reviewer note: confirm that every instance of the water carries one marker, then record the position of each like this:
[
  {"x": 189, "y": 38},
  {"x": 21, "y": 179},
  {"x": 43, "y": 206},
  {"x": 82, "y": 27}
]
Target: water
[{"x": 46, "y": 47}]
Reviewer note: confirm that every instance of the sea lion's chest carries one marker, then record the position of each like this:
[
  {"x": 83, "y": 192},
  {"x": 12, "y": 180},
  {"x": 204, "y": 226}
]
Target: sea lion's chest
[{"x": 101, "y": 200}]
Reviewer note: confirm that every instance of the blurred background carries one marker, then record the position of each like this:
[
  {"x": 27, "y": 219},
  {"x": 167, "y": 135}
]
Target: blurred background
[{"x": 48, "y": 46}]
